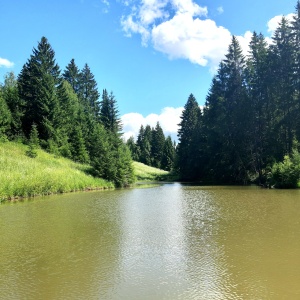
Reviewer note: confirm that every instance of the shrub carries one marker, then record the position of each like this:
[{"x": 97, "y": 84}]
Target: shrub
[{"x": 286, "y": 174}]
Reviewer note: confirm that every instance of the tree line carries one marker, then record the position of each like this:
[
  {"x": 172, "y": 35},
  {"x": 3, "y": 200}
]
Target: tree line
[
  {"x": 153, "y": 148},
  {"x": 251, "y": 118},
  {"x": 64, "y": 113}
]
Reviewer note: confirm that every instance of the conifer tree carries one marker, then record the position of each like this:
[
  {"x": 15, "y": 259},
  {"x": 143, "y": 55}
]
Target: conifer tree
[
  {"x": 282, "y": 64},
  {"x": 186, "y": 134},
  {"x": 168, "y": 156},
  {"x": 5, "y": 118},
  {"x": 37, "y": 85},
  {"x": 72, "y": 75},
  {"x": 109, "y": 114},
  {"x": 157, "y": 145},
  {"x": 88, "y": 91},
  {"x": 14, "y": 103}
]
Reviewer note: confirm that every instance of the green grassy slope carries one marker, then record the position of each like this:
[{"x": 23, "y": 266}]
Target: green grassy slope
[
  {"x": 22, "y": 176},
  {"x": 146, "y": 173}
]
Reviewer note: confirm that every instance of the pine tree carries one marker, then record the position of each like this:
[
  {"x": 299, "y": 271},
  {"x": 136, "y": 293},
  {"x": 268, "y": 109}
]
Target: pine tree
[
  {"x": 133, "y": 148},
  {"x": 88, "y": 91},
  {"x": 295, "y": 38},
  {"x": 109, "y": 114},
  {"x": 227, "y": 119},
  {"x": 14, "y": 103},
  {"x": 5, "y": 118},
  {"x": 168, "y": 156},
  {"x": 37, "y": 85},
  {"x": 258, "y": 85},
  {"x": 72, "y": 75},
  {"x": 186, "y": 134},
  {"x": 282, "y": 65},
  {"x": 157, "y": 145}
]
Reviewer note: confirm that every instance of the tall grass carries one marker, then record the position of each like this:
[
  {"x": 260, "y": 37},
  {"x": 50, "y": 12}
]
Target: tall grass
[
  {"x": 22, "y": 176},
  {"x": 146, "y": 173}
]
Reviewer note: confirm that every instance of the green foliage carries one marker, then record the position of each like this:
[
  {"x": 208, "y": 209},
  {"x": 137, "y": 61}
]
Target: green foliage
[
  {"x": 20, "y": 176},
  {"x": 147, "y": 173},
  {"x": 168, "y": 155},
  {"x": 34, "y": 142},
  {"x": 5, "y": 118},
  {"x": 37, "y": 84},
  {"x": 157, "y": 145},
  {"x": 286, "y": 174}
]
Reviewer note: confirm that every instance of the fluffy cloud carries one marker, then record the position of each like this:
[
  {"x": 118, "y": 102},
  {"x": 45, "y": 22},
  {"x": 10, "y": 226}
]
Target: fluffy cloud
[
  {"x": 169, "y": 118},
  {"x": 181, "y": 29},
  {"x": 5, "y": 63},
  {"x": 274, "y": 22},
  {"x": 200, "y": 41}
]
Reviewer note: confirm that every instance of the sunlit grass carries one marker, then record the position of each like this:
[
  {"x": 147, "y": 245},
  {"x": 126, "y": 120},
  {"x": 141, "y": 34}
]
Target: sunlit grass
[
  {"x": 146, "y": 173},
  {"x": 22, "y": 176}
]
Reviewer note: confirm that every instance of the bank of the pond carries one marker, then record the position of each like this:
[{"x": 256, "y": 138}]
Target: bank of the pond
[{"x": 22, "y": 176}]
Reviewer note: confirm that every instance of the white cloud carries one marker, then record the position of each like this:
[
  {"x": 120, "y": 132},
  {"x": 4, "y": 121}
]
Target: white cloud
[
  {"x": 200, "y": 41},
  {"x": 181, "y": 30},
  {"x": 274, "y": 22},
  {"x": 169, "y": 118},
  {"x": 5, "y": 63}
]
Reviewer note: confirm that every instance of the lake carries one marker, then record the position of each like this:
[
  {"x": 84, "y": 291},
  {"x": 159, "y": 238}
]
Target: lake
[{"x": 170, "y": 241}]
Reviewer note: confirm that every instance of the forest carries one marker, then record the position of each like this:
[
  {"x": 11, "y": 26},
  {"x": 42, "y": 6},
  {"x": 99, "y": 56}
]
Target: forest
[
  {"x": 247, "y": 132},
  {"x": 249, "y": 128},
  {"x": 63, "y": 113}
]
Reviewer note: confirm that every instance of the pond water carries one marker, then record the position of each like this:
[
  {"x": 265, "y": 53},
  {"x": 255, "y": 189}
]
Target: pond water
[{"x": 171, "y": 241}]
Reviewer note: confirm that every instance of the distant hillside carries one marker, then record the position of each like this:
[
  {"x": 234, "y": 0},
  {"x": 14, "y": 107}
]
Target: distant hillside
[{"x": 146, "y": 173}]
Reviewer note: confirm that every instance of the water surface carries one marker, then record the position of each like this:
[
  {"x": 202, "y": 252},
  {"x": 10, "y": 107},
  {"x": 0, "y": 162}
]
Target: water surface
[{"x": 167, "y": 242}]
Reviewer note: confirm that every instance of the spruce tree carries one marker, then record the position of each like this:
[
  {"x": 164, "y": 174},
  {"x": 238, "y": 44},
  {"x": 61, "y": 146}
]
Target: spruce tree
[
  {"x": 282, "y": 64},
  {"x": 37, "y": 84},
  {"x": 168, "y": 156},
  {"x": 5, "y": 118},
  {"x": 109, "y": 114},
  {"x": 186, "y": 134},
  {"x": 14, "y": 103},
  {"x": 88, "y": 91},
  {"x": 72, "y": 75},
  {"x": 157, "y": 145}
]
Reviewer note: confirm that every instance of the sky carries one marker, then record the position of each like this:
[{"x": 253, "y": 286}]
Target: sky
[{"x": 152, "y": 54}]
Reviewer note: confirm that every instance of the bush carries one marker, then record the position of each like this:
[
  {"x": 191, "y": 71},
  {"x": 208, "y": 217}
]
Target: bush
[{"x": 286, "y": 174}]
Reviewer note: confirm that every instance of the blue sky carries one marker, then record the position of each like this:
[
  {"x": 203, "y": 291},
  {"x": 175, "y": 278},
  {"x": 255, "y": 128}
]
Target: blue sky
[{"x": 152, "y": 54}]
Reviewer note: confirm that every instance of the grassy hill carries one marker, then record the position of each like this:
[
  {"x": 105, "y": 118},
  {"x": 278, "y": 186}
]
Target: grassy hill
[
  {"x": 146, "y": 173},
  {"x": 22, "y": 176}
]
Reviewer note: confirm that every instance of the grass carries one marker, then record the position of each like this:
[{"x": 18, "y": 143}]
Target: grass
[
  {"x": 146, "y": 173},
  {"x": 22, "y": 176}
]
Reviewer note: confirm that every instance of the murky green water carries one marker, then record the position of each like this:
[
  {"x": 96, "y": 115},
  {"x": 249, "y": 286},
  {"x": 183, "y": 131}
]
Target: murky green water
[{"x": 165, "y": 242}]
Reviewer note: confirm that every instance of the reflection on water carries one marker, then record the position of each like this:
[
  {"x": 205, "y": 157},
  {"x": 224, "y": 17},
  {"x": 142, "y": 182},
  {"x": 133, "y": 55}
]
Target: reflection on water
[{"x": 171, "y": 241}]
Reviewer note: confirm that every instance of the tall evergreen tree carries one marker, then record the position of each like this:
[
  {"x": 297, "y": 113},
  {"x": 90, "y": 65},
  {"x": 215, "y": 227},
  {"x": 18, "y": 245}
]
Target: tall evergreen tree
[
  {"x": 282, "y": 59},
  {"x": 157, "y": 145},
  {"x": 14, "y": 103},
  {"x": 37, "y": 85},
  {"x": 5, "y": 118},
  {"x": 258, "y": 84},
  {"x": 168, "y": 156},
  {"x": 109, "y": 114},
  {"x": 88, "y": 91},
  {"x": 186, "y": 134},
  {"x": 72, "y": 75}
]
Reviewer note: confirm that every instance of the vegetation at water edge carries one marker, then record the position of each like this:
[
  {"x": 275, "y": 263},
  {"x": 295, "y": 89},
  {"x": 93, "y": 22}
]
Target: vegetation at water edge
[{"x": 24, "y": 176}]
